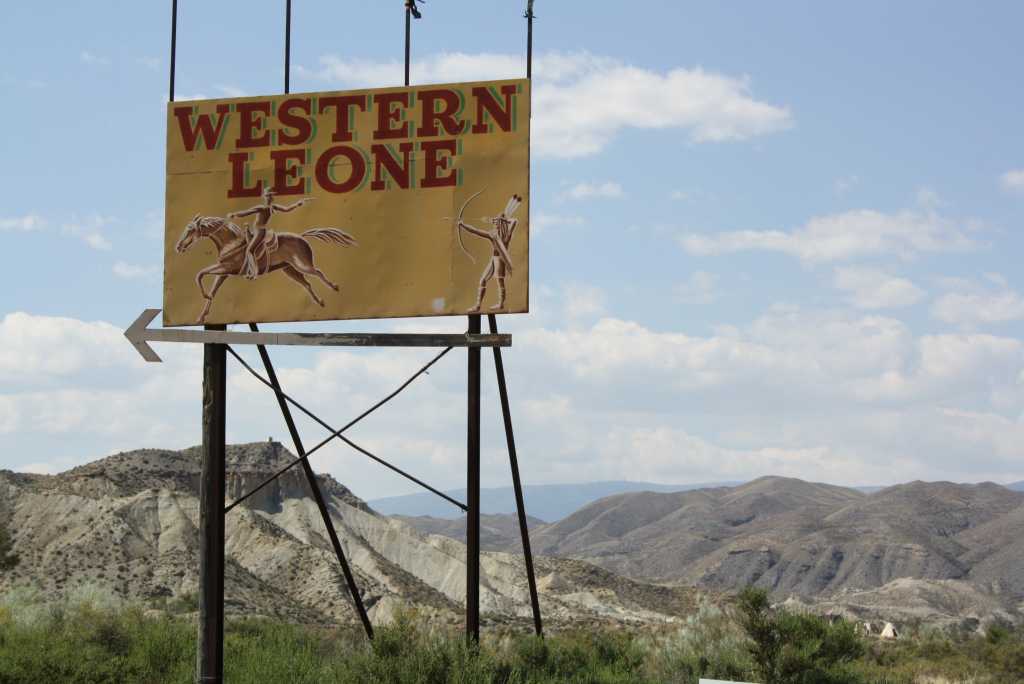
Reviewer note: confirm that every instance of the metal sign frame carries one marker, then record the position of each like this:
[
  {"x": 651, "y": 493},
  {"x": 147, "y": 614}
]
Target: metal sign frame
[{"x": 216, "y": 340}]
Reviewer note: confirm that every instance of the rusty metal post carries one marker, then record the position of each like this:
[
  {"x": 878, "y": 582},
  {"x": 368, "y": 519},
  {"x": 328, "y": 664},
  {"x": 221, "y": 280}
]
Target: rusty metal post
[
  {"x": 517, "y": 485},
  {"x": 473, "y": 490},
  {"x": 210, "y": 647}
]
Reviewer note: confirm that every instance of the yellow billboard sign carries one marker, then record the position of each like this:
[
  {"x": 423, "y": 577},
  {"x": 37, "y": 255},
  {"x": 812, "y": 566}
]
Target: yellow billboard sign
[{"x": 376, "y": 203}]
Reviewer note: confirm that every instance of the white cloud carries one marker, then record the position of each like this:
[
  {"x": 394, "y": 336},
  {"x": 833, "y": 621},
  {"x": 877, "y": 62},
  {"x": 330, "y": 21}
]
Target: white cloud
[
  {"x": 544, "y": 221},
  {"x": 581, "y": 101},
  {"x": 26, "y": 223},
  {"x": 580, "y": 191},
  {"x": 128, "y": 271},
  {"x": 870, "y": 288},
  {"x": 90, "y": 231},
  {"x": 972, "y": 304},
  {"x": 149, "y": 62},
  {"x": 1012, "y": 181},
  {"x": 844, "y": 236},
  {"x": 826, "y": 395},
  {"x": 583, "y": 301},
  {"x": 41, "y": 347},
  {"x": 699, "y": 288},
  {"x": 87, "y": 57}
]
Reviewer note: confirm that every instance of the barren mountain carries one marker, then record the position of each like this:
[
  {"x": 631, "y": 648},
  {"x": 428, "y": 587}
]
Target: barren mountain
[
  {"x": 128, "y": 522},
  {"x": 498, "y": 532},
  {"x": 804, "y": 539}
]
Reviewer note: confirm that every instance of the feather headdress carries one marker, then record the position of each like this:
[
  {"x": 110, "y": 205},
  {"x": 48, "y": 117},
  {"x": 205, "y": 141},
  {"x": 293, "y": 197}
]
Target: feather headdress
[{"x": 512, "y": 206}]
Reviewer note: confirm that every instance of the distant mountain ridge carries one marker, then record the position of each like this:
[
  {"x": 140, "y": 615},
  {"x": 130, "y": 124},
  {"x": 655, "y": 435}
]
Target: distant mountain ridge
[
  {"x": 801, "y": 538},
  {"x": 549, "y": 502}
]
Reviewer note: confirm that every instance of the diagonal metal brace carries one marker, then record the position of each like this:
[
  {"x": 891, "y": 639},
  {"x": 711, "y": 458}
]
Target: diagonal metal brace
[
  {"x": 524, "y": 530},
  {"x": 314, "y": 487},
  {"x": 338, "y": 433}
]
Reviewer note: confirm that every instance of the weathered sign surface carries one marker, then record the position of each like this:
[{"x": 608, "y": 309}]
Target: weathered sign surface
[{"x": 408, "y": 201}]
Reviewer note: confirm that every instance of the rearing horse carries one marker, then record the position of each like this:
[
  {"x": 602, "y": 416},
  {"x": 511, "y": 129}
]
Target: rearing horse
[{"x": 293, "y": 255}]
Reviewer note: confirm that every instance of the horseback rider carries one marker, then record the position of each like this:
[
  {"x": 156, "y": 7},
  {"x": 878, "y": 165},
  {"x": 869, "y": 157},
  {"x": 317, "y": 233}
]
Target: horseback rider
[{"x": 254, "y": 239}]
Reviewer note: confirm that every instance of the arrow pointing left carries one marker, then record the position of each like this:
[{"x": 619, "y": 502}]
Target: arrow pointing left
[{"x": 136, "y": 333}]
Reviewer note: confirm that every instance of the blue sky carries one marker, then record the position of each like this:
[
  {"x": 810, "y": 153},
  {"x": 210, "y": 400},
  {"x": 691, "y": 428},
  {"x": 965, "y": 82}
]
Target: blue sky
[{"x": 766, "y": 238}]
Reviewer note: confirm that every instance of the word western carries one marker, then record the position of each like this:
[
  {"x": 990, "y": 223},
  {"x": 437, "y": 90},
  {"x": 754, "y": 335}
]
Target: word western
[{"x": 415, "y": 137}]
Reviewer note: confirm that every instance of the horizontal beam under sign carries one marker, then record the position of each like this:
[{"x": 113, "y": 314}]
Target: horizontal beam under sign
[{"x": 139, "y": 334}]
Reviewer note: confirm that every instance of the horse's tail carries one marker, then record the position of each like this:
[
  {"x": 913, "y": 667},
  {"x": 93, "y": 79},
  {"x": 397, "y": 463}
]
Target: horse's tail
[{"x": 335, "y": 235}]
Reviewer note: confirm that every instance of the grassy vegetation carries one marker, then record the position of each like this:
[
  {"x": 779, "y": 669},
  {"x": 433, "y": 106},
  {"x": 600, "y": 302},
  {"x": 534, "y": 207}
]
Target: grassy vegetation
[{"x": 91, "y": 637}]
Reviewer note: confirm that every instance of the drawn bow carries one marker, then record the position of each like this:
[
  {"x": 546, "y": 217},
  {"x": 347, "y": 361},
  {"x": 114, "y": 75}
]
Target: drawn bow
[{"x": 458, "y": 223}]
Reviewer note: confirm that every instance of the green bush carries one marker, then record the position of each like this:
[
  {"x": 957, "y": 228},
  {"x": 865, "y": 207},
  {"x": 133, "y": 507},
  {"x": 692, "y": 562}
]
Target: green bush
[{"x": 798, "y": 648}]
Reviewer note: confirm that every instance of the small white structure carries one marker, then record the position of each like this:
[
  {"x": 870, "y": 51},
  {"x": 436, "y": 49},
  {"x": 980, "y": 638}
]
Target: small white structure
[{"x": 889, "y": 631}]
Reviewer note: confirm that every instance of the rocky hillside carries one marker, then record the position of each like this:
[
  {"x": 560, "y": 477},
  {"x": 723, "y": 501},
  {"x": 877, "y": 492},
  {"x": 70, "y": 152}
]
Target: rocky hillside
[
  {"x": 498, "y": 532},
  {"x": 128, "y": 522},
  {"x": 803, "y": 539}
]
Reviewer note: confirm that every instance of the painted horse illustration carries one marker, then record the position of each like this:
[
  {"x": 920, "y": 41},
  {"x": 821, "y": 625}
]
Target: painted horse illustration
[{"x": 287, "y": 252}]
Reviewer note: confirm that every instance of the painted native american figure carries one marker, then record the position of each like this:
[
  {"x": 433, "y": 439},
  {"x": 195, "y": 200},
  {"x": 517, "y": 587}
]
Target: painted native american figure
[
  {"x": 251, "y": 254},
  {"x": 503, "y": 227}
]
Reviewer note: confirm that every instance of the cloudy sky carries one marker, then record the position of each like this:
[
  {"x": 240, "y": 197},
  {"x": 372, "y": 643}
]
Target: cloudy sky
[{"x": 767, "y": 238}]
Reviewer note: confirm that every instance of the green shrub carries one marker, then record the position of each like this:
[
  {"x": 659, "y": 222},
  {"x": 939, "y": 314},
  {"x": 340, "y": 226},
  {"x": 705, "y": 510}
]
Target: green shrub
[{"x": 798, "y": 648}]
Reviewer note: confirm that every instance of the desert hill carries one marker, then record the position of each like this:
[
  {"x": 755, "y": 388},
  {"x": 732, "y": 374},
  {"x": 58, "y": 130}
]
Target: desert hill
[
  {"x": 497, "y": 532},
  {"x": 128, "y": 522},
  {"x": 807, "y": 540}
]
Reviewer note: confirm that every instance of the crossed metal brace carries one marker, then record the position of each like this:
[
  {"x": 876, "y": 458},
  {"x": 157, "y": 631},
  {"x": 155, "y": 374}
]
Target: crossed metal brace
[{"x": 285, "y": 401}]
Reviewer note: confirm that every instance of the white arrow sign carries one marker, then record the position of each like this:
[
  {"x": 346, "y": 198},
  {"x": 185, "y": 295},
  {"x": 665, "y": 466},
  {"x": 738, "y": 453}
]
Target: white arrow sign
[{"x": 139, "y": 334}]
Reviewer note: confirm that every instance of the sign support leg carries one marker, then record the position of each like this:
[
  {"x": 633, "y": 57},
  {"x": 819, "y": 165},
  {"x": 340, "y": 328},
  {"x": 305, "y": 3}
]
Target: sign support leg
[
  {"x": 473, "y": 491},
  {"x": 210, "y": 647},
  {"x": 517, "y": 485},
  {"x": 314, "y": 488}
]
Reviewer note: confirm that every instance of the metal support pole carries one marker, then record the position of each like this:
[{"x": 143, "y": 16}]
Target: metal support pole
[
  {"x": 408, "y": 40},
  {"x": 174, "y": 42},
  {"x": 314, "y": 488},
  {"x": 210, "y": 647},
  {"x": 529, "y": 39},
  {"x": 287, "y": 44},
  {"x": 473, "y": 489},
  {"x": 517, "y": 485}
]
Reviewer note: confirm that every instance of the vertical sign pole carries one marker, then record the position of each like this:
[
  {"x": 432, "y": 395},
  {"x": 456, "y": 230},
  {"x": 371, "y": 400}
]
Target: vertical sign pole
[
  {"x": 473, "y": 489},
  {"x": 210, "y": 647},
  {"x": 529, "y": 39},
  {"x": 210, "y": 642},
  {"x": 287, "y": 45},
  {"x": 174, "y": 41},
  {"x": 408, "y": 40}
]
